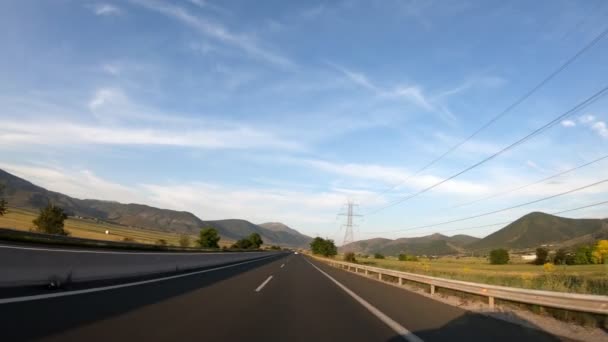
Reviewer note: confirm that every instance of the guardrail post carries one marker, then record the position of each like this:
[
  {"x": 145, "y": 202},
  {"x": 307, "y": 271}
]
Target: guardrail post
[
  {"x": 432, "y": 289},
  {"x": 366, "y": 272},
  {"x": 379, "y": 276},
  {"x": 491, "y": 303},
  {"x": 400, "y": 281}
]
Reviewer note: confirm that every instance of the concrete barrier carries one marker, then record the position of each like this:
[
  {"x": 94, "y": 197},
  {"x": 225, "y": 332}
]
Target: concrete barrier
[{"x": 22, "y": 266}]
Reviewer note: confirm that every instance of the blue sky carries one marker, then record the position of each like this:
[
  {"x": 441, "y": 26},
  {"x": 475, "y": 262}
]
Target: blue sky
[{"x": 283, "y": 111}]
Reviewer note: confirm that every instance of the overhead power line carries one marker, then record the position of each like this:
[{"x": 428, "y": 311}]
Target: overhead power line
[
  {"x": 529, "y": 184},
  {"x": 499, "y": 210},
  {"x": 513, "y": 105},
  {"x": 508, "y": 222},
  {"x": 504, "y": 223},
  {"x": 537, "y": 131}
]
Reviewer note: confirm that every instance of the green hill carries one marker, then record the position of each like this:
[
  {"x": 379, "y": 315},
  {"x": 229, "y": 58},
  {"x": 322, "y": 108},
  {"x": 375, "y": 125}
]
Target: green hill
[
  {"x": 436, "y": 244},
  {"x": 536, "y": 229}
]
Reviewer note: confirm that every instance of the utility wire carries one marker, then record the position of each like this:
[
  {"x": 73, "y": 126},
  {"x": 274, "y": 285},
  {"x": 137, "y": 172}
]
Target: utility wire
[
  {"x": 499, "y": 210},
  {"x": 537, "y": 131},
  {"x": 528, "y": 185},
  {"x": 526, "y": 95},
  {"x": 553, "y": 213},
  {"x": 508, "y": 222}
]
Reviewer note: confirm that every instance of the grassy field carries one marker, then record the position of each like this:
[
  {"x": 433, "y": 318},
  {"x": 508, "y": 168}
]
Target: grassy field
[
  {"x": 81, "y": 228},
  {"x": 592, "y": 279}
]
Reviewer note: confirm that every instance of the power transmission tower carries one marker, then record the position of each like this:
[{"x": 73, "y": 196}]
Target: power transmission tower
[{"x": 348, "y": 231}]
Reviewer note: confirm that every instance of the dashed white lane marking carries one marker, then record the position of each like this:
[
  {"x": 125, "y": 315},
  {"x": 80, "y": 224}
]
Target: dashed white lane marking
[
  {"x": 398, "y": 328},
  {"x": 106, "y": 288},
  {"x": 282, "y": 265},
  {"x": 263, "y": 284}
]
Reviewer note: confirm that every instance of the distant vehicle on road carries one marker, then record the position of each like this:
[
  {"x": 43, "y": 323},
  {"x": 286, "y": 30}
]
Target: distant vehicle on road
[{"x": 295, "y": 252}]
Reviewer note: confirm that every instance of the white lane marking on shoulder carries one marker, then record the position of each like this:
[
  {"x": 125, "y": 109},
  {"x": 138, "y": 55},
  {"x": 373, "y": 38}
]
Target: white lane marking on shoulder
[
  {"x": 104, "y": 252},
  {"x": 112, "y": 287},
  {"x": 282, "y": 265},
  {"x": 263, "y": 284},
  {"x": 398, "y": 328}
]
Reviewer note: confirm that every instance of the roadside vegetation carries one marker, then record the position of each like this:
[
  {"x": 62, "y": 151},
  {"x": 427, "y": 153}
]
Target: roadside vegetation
[
  {"x": 209, "y": 238},
  {"x": 3, "y": 204},
  {"x": 50, "y": 220},
  {"x": 591, "y": 278},
  {"x": 20, "y": 219},
  {"x": 253, "y": 241},
  {"x": 499, "y": 257},
  {"x": 324, "y": 247}
]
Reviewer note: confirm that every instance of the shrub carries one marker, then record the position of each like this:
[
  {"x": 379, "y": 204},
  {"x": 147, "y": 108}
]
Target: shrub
[
  {"x": 253, "y": 241},
  {"x": 184, "y": 241},
  {"x": 549, "y": 267},
  {"x": 161, "y": 242},
  {"x": 350, "y": 257},
  {"x": 242, "y": 244},
  {"x": 600, "y": 252},
  {"x": 499, "y": 256},
  {"x": 209, "y": 238},
  {"x": 128, "y": 239},
  {"x": 325, "y": 247},
  {"x": 3, "y": 204},
  {"x": 560, "y": 257},
  {"x": 256, "y": 240},
  {"x": 541, "y": 256},
  {"x": 378, "y": 256},
  {"x": 406, "y": 257},
  {"x": 583, "y": 255},
  {"x": 50, "y": 220}
]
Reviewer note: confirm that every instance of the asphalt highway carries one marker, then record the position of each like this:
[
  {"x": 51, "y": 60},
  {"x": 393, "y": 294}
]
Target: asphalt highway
[{"x": 281, "y": 298}]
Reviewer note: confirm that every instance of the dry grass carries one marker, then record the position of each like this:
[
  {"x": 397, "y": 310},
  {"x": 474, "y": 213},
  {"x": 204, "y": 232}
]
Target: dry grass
[
  {"x": 81, "y": 228},
  {"x": 592, "y": 279}
]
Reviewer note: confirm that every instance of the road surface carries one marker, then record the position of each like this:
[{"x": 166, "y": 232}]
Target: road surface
[{"x": 282, "y": 298}]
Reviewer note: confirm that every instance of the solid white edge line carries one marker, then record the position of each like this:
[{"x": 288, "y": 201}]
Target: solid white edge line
[
  {"x": 398, "y": 328},
  {"x": 113, "y": 287},
  {"x": 107, "y": 252},
  {"x": 263, "y": 284}
]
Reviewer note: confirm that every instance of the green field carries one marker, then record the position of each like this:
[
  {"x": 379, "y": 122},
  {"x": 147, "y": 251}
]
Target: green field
[
  {"x": 89, "y": 229},
  {"x": 591, "y": 279}
]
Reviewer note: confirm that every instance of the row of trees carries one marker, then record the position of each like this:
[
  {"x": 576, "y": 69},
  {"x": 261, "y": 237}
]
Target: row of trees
[
  {"x": 324, "y": 247},
  {"x": 583, "y": 255}
]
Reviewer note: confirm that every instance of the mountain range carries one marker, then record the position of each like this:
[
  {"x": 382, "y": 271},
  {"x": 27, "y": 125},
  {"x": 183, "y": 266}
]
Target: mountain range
[
  {"x": 526, "y": 233},
  {"x": 23, "y": 194}
]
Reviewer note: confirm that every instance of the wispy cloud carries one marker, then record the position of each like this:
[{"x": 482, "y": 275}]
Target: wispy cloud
[
  {"x": 411, "y": 93},
  {"x": 111, "y": 68},
  {"x": 600, "y": 128},
  {"x": 66, "y": 133},
  {"x": 597, "y": 126},
  {"x": 218, "y": 32},
  {"x": 119, "y": 121},
  {"x": 568, "y": 123},
  {"x": 104, "y": 9},
  {"x": 390, "y": 176}
]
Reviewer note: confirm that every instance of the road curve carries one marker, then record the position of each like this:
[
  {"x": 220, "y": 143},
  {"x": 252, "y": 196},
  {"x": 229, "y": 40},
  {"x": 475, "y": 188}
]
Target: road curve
[{"x": 283, "y": 298}]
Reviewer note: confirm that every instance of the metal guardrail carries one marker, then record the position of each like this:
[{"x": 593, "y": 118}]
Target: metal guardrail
[{"x": 569, "y": 301}]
